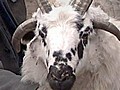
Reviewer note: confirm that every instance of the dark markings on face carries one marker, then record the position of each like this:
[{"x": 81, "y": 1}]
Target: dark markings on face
[
  {"x": 59, "y": 59},
  {"x": 80, "y": 35},
  {"x": 86, "y": 32},
  {"x": 46, "y": 62},
  {"x": 55, "y": 63},
  {"x": 48, "y": 52},
  {"x": 80, "y": 49},
  {"x": 39, "y": 25},
  {"x": 69, "y": 56},
  {"x": 85, "y": 40},
  {"x": 57, "y": 53},
  {"x": 43, "y": 32},
  {"x": 73, "y": 51},
  {"x": 84, "y": 35},
  {"x": 64, "y": 59},
  {"x": 87, "y": 29},
  {"x": 44, "y": 29},
  {"x": 79, "y": 23},
  {"x": 44, "y": 42}
]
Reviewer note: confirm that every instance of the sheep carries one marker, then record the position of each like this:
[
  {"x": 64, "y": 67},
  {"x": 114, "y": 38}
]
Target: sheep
[{"x": 67, "y": 51}]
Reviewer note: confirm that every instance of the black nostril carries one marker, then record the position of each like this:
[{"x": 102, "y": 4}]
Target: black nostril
[{"x": 61, "y": 79}]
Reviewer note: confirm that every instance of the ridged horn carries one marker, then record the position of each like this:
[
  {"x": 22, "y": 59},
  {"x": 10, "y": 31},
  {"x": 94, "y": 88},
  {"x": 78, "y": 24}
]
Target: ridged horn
[
  {"x": 22, "y": 29},
  {"x": 107, "y": 26},
  {"x": 82, "y": 5},
  {"x": 44, "y": 6},
  {"x": 72, "y": 2}
]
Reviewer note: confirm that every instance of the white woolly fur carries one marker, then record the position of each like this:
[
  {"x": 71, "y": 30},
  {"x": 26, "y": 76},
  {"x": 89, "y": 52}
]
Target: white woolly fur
[{"x": 99, "y": 68}]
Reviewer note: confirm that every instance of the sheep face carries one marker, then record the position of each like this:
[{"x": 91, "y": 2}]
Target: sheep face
[
  {"x": 60, "y": 38},
  {"x": 63, "y": 37}
]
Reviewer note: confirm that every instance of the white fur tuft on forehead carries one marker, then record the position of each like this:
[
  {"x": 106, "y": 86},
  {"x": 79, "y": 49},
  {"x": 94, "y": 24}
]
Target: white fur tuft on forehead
[
  {"x": 66, "y": 14},
  {"x": 62, "y": 13}
]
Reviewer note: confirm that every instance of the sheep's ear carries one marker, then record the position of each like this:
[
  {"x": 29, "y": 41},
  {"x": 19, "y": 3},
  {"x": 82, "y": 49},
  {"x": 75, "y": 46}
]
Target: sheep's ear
[{"x": 27, "y": 37}]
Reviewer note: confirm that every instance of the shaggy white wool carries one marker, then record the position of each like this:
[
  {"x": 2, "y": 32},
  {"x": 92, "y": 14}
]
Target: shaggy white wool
[{"x": 99, "y": 68}]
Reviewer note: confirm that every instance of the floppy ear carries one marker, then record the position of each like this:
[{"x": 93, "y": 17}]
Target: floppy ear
[{"x": 27, "y": 37}]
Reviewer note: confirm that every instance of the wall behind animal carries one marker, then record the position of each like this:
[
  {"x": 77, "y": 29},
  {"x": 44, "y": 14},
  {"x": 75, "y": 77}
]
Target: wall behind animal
[
  {"x": 31, "y": 7},
  {"x": 111, "y": 7}
]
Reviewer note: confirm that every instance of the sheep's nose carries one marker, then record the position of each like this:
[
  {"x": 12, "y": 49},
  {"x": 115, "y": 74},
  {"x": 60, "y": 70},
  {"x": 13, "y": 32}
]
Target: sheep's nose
[{"x": 62, "y": 78}]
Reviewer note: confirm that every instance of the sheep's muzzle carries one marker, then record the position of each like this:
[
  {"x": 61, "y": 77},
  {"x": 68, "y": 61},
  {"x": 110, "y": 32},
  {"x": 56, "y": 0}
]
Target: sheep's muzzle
[{"x": 62, "y": 78}]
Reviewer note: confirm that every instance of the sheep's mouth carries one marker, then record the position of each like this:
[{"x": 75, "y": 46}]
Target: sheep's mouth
[{"x": 60, "y": 81}]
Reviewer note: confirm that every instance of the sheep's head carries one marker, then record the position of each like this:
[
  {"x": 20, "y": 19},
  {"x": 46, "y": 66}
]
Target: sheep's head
[{"x": 63, "y": 35}]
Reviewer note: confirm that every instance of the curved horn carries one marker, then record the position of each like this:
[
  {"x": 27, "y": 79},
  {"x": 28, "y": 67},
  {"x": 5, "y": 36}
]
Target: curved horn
[
  {"x": 44, "y": 6},
  {"x": 82, "y": 6},
  {"x": 107, "y": 26},
  {"x": 22, "y": 29}
]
